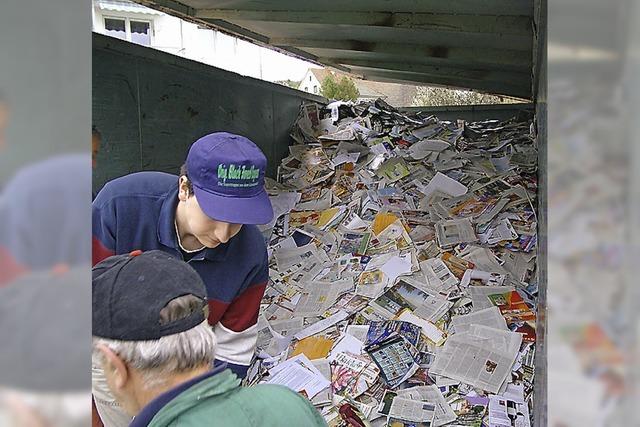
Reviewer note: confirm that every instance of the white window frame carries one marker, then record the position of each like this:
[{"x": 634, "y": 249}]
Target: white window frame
[
  {"x": 127, "y": 26},
  {"x": 119, "y": 18}
]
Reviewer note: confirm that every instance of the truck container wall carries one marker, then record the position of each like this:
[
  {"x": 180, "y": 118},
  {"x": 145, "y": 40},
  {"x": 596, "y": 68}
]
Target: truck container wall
[{"x": 149, "y": 106}]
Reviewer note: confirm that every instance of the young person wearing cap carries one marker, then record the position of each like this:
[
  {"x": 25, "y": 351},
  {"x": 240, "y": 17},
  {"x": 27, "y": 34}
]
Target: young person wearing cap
[
  {"x": 152, "y": 339},
  {"x": 206, "y": 217}
]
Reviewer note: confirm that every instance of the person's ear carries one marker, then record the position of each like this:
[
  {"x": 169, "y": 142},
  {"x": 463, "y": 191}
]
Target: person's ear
[
  {"x": 115, "y": 366},
  {"x": 183, "y": 189}
]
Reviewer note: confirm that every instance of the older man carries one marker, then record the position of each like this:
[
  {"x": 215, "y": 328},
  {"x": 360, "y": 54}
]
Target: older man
[{"x": 156, "y": 350}]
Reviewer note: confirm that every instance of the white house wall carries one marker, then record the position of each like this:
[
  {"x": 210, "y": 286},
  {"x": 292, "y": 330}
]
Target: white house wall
[{"x": 309, "y": 84}]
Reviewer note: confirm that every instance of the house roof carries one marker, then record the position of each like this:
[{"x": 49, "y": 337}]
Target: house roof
[
  {"x": 367, "y": 91},
  {"x": 396, "y": 94},
  {"x": 126, "y": 6},
  {"x": 320, "y": 73}
]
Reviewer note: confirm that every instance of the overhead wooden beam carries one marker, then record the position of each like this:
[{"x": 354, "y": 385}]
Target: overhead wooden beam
[
  {"x": 171, "y": 7},
  {"x": 513, "y": 25},
  {"x": 411, "y": 37},
  {"x": 460, "y": 77},
  {"x": 428, "y": 54},
  {"x": 466, "y": 72},
  {"x": 517, "y": 89},
  {"x": 238, "y": 30},
  {"x": 458, "y": 7}
]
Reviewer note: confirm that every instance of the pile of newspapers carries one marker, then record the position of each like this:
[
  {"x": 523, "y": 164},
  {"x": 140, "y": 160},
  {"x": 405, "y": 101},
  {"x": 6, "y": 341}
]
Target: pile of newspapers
[{"x": 403, "y": 282}]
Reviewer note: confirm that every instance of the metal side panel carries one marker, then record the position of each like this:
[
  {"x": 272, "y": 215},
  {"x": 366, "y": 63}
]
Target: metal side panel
[{"x": 150, "y": 106}]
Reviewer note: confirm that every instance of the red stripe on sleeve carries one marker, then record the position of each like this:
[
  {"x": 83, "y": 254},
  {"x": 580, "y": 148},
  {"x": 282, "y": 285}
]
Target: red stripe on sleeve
[
  {"x": 99, "y": 251},
  {"x": 10, "y": 268},
  {"x": 243, "y": 311},
  {"x": 216, "y": 310}
]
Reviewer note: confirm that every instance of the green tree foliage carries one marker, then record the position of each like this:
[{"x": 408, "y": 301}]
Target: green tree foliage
[
  {"x": 429, "y": 96},
  {"x": 343, "y": 90},
  {"x": 329, "y": 87},
  {"x": 290, "y": 83}
]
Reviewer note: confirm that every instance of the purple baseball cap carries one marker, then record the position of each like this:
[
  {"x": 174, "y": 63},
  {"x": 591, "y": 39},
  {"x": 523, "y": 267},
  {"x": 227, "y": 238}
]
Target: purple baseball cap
[{"x": 227, "y": 173}]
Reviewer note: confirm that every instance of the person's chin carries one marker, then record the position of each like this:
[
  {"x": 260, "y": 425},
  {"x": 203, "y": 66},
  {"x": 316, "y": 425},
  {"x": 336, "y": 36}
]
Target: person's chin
[{"x": 209, "y": 244}]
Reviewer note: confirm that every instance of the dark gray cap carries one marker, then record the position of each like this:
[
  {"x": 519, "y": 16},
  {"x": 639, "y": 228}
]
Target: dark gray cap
[{"x": 129, "y": 291}]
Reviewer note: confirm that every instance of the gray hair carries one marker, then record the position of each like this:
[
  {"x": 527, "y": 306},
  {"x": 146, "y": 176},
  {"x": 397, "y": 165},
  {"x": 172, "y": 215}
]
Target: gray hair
[{"x": 177, "y": 353}]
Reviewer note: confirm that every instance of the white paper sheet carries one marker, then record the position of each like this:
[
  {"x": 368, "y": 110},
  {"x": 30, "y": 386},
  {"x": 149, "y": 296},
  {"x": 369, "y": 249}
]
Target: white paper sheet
[
  {"x": 479, "y": 295},
  {"x": 504, "y": 412},
  {"x": 412, "y": 410},
  {"x": 482, "y": 357},
  {"x": 489, "y": 279},
  {"x": 346, "y": 344},
  {"x": 490, "y": 317},
  {"x": 441, "y": 182},
  {"x": 483, "y": 259},
  {"x": 345, "y": 158},
  {"x": 321, "y": 203},
  {"x": 438, "y": 275},
  {"x": 397, "y": 266},
  {"x": 358, "y": 331},
  {"x": 287, "y": 327},
  {"x": 454, "y": 231},
  {"x": 299, "y": 374},
  {"x": 287, "y": 257},
  {"x": 422, "y": 149},
  {"x": 379, "y": 149},
  {"x": 322, "y": 325},
  {"x": 326, "y": 395},
  {"x": 443, "y": 412},
  {"x": 426, "y": 131}
]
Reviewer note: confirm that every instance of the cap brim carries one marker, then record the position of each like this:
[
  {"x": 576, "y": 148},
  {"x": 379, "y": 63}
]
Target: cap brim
[{"x": 236, "y": 210}]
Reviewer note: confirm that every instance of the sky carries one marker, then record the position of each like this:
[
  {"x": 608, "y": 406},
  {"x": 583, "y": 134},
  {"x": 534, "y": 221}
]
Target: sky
[
  {"x": 250, "y": 59},
  {"x": 182, "y": 38}
]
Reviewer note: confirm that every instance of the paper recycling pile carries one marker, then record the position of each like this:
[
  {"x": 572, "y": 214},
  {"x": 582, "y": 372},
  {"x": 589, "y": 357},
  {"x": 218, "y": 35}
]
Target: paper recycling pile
[{"x": 403, "y": 269}]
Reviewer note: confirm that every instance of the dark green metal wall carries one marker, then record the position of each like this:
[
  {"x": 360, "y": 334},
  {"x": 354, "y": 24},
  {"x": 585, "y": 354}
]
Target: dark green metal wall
[
  {"x": 150, "y": 106},
  {"x": 472, "y": 113}
]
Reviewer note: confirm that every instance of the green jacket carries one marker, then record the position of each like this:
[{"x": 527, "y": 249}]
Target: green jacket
[{"x": 220, "y": 401}]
